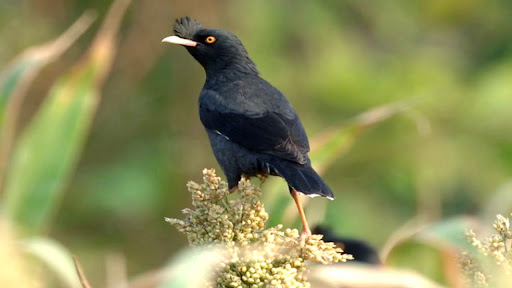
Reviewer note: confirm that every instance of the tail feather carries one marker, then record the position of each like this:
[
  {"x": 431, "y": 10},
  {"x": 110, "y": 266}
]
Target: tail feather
[{"x": 302, "y": 178}]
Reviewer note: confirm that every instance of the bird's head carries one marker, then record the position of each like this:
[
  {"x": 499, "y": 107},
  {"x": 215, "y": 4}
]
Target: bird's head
[{"x": 214, "y": 49}]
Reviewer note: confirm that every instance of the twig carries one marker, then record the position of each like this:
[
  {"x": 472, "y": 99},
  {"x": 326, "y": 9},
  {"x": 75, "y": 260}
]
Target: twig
[{"x": 81, "y": 275}]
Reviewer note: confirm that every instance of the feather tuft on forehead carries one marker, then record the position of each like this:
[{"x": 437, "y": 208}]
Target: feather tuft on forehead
[{"x": 186, "y": 27}]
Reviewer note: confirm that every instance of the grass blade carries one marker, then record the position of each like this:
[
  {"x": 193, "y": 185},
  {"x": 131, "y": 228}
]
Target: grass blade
[
  {"x": 54, "y": 256},
  {"x": 16, "y": 78},
  {"x": 358, "y": 276},
  {"x": 48, "y": 149},
  {"x": 15, "y": 269},
  {"x": 337, "y": 141},
  {"x": 432, "y": 248}
]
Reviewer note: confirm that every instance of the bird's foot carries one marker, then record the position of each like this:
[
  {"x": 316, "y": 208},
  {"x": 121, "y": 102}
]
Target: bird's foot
[{"x": 304, "y": 236}]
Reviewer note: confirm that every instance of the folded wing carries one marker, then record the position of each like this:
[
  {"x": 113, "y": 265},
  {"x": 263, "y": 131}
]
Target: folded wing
[{"x": 269, "y": 132}]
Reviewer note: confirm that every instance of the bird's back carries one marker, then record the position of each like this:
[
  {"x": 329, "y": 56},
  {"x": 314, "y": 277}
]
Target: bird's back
[{"x": 250, "y": 94}]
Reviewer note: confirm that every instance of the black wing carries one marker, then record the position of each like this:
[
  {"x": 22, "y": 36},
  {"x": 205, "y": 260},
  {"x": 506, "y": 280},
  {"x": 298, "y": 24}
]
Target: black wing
[{"x": 270, "y": 132}]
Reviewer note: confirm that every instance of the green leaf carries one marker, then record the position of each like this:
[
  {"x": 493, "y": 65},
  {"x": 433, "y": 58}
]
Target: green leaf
[
  {"x": 19, "y": 74},
  {"x": 449, "y": 233},
  {"x": 446, "y": 234},
  {"x": 45, "y": 155},
  {"x": 325, "y": 150},
  {"x": 425, "y": 259},
  {"x": 431, "y": 248},
  {"x": 54, "y": 256}
]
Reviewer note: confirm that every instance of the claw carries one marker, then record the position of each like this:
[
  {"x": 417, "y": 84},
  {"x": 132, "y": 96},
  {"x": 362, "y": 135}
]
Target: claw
[{"x": 304, "y": 236}]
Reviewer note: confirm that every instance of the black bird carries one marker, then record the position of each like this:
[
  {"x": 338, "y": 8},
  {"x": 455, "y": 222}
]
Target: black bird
[
  {"x": 361, "y": 250},
  {"x": 253, "y": 129}
]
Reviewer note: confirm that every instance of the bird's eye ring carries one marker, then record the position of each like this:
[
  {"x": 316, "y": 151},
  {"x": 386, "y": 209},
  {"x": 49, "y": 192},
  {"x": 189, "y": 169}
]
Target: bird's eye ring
[{"x": 210, "y": 39}]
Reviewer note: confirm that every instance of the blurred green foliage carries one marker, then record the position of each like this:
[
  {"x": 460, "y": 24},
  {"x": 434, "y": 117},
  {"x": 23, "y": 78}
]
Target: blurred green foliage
[
  {"x": 333, "y": 60},
  {"x": 43, "y": 158}
]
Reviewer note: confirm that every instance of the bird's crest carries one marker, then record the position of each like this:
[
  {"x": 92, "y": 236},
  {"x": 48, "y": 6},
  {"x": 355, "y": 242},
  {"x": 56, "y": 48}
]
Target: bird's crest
[{"x": 186, "y": 27}]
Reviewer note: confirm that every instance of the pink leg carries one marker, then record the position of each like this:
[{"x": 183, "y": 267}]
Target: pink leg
[{"x": 306, "y": 232}]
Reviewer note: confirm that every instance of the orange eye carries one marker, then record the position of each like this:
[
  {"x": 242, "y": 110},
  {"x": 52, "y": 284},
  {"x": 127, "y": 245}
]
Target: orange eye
[{"x": 210, "y": 39}]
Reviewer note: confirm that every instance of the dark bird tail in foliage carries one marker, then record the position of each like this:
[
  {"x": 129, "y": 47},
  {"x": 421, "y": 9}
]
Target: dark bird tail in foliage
[
  {"x": 302, "y": 178},
  {"x": 359, "y": 248}
]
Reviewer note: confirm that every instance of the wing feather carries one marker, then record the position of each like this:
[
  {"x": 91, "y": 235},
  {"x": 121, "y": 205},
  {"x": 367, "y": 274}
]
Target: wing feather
[{"x": 269, "y": 132}]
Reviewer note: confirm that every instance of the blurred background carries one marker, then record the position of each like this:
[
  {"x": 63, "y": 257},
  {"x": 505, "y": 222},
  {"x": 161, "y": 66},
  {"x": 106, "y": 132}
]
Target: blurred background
[{"x": 450, "y": 154}]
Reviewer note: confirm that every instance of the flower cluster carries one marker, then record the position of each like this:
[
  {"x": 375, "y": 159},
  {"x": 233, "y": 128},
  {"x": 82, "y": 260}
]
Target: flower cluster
[
  {"x": 253, "y": 256},
  {"x": 495, "y": 252}
]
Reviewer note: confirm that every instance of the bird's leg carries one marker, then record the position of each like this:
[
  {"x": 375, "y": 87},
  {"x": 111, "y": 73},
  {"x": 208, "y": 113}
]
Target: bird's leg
[{"x": 306, "y": 232}]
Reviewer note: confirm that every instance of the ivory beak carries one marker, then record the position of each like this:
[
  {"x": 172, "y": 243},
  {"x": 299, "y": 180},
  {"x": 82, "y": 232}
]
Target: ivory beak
[{"x": 180, "y": 41}]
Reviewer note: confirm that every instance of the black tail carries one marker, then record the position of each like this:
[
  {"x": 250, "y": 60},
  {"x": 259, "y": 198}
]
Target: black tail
[
  {"x": 359, "y": 248},
  {"x": 302, "y": 178}
]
